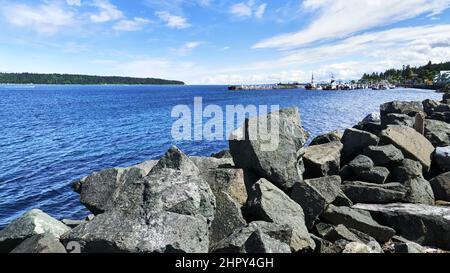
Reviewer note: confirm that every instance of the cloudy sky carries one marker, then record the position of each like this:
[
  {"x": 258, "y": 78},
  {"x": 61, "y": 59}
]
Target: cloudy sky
[{"x": 221, "y": 41}]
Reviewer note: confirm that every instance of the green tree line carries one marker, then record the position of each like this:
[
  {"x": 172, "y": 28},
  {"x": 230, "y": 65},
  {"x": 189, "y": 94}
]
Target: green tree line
[
  {"x": 408, "y": 74},
  {"x": 33, "y": 78}
]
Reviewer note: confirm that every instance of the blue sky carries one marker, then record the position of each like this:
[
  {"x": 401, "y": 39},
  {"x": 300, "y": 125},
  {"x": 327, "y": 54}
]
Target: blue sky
[{"x": 220, "y": 41}]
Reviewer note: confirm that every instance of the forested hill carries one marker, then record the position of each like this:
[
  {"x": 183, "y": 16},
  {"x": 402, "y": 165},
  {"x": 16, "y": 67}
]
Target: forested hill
[
  {"x": 419, "y": 74},
  {"x": 32, "y": 78}
]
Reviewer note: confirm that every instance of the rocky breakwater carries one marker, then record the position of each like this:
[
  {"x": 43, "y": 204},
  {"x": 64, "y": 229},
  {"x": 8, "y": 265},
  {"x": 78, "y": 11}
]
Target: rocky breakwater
[{"x": 382, "y": 186}]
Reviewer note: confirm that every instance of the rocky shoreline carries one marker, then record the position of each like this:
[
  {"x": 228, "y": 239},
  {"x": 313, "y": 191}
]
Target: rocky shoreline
[{"x": 380, "y": 187}]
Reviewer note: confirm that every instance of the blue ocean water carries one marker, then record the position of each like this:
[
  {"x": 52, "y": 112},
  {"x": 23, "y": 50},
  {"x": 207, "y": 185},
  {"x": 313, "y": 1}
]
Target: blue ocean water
[{"x": 53, "y": 135}]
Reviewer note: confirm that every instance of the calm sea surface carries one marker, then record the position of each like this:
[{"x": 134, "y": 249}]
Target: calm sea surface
[{"x": 52, "y": 135}]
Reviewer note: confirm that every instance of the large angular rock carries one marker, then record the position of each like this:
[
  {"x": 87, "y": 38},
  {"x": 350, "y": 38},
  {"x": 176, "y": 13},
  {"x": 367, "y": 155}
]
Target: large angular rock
[
  {"x": 409, "y": 169},
  {"x": 41, "y": 243},
  {"x": 422, "y": 224},
  {"x": 419, "y": 191},
  {"x": 441, "y": 187},
  {"x": 29, "y": 224},
  {"x": 257, "y": 237},
  {"x": 222, "y": 154},
  {"x": 229, "y": 188},
  {"x": 377, "y": 175},
  {"x": 98, "y": 191},
  {"x": 169, "y": 210},
  {"x": 359, "y": 220},
  {"x": 208, "y": 163},
  {"x": 371, "y": 127},
  {"x": 397, "y": 119},
  {"x": 442, "y": 158},
  {"x": 412, "y": 144},
  {"x": 315, "y": 195},
  {"x": 355, "y": 141},
  {"x": 270, "y": 204},
  {"x": 385, "y": 156},
  {"x": 363, "y": 167},
  {"x": 361, "y": 192},
  {"x": 442, "y": 116},
  {"x": 327, "y": 138},
  {"x": 410, "y": 108},
  {"x": 280, "y": 163},
  {"x": 429, "y": 106},
  {"x": 322, "y": 160},
  {"x": 437, "y": 132}
]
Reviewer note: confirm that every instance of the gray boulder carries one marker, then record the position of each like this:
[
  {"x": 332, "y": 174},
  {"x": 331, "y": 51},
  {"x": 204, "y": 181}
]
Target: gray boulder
[
  {"x": 409, "y": 248},
  {"x": 371, "y": 127},
  {"x": 363, "y": 167},
  {"x": 359, "y": 220},
  {"x": 270, "y": 204},
  {"x": 441, "y": 187},
  {"x": 322, "y": 160},
  {"x": 361, "y": 163},
  {"x": 73, "y": 223},
  {"x": 327, "y": 138},
  {"x": 169, "y": 210},
  {"x": 429, "y": 106},
  {"x": 257, "y": 237},
  {"x": 437, "y": 132},
  {"x": 29, "y": 224},
  {"x": 422, "y": 224},
  {"x": 409, "y": 169},
  {"x": 315, "y": 195},
  {"x": 442, "y": 116},
  {"x": 442, "y": 158},
  {"x": 280, "y": 163},
  {"x": 355, "y": 141},
  {"x": 209, "y": 163},
  {"x": 376, "y": 175},
  {"x": 358, "y": 248},
  {"x": 41, "y": 243},
  {"x": 397, "y": 119},
  {"x": 419, "y": 191},
  {"x": 385, "y": 156},
  {"x": 360, "y": 192},
  {"x": 412, "y": 144},
  {"x": 410, "y": 108}
]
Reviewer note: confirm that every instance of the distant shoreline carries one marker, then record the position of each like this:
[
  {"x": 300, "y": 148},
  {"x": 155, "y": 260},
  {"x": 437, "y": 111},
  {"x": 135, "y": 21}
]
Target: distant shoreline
[{"x": 74, "y": 79}]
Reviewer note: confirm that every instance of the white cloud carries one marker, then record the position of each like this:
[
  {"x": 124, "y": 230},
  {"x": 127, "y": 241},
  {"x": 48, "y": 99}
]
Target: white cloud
[
  {"x": 248, "y": 9},
  {"x": 74, "y": 3},
  {"x": 340, "y": 18},
  {"x": 135, "y": 24},
  {"x": 173, "y": 21},
  {"x": 187, "y": 48},
  {"x": 45, "y": 19},
  {"x": 107, "y": 12}
]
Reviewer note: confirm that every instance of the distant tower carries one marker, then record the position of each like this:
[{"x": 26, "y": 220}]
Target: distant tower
[{"x": 312, "y": 78}]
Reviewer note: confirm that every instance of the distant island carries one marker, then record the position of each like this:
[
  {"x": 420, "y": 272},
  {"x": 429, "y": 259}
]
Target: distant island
[{"x": 34, "y": 78}]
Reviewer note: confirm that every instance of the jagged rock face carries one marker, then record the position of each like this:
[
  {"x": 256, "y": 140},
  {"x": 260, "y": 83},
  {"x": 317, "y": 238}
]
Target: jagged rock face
[
  {"x": 358, "y": 220},
  {"x": 257, "y": 237},
  {"x": 355, "y": 141},
  {"x": 437, "y": 132},
  {"x": 384, "y": 156},
  {"x": 442, "y": 158},
  {"x": 42, "y": 243},
  {"x": 29, "y": 224},
  {"x": 270, "y": 204},
  {"x": 229, "y": 188},
  {"x": 169, "y": 210},
  {"x": 361, "y": 192},
  {"x": 401, "y": 107},
  {"x": 327, "y": 138},
  {"x": 422, "y": 224},
  {"x": 282, "y": 165},
  {"x": 441, "y": 187},
  {"x": 412, "y": 144},
  {"x": 315, "y": 195},
  {"x": 322, "y": 160}
]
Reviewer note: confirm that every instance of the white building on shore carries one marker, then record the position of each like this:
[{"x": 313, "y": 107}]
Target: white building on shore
[{"x": 443, "y": 77}]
